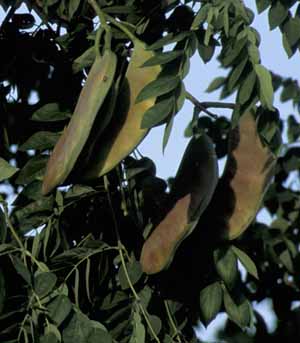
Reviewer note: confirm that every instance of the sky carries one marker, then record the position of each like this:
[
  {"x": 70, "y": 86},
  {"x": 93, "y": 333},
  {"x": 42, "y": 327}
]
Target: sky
[{"x": 273, "y": 57}]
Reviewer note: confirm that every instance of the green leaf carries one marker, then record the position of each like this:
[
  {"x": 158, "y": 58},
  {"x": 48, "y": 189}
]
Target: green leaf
[
  {"x": 138, "y": 334},
  {"x": 265, "y": 86},
  {"x": 206, "y": 52},
  {"x": 168, "y": 39},
  {"x": 216, "y": 84},
  {"x": 49, "y": 337},
  {"x": 21, "y": 269},
  {"x": 262, "y": 5},
  {"x": 201, "y": 16},
  {"x": 2, "y": 291},
  {"x": 6, "y": 170},
  {"x": 44, "y": 283},
  {"x": 3, "y": 227},
  {"x": 210, "y": 301},
  {"x": 85, "y": 330},
  {"x": 78, "y": 191},
  {"x": 157, "y": 113},
  {"x": 162, "y": 57},
  {"x": 286, "y": 259},
  {"x": 41, "y": 140},
  {"x": 246, "y": 88},
  {"x": 59, "y": 308},
  {"x": 246, "y": 261},
  {"x": 84, "y": 60},
  {"x": 236, "y": 73},
  {"x": 160, "y": 86},
  {"x": 50, "y": 112},
  {"x": 292, "y": 31},
  {"x": 134, "y": 271},
  {"x": 167, "y": 132},
  {"x": 277, "y": 13},
  {"x": 238, "y": 313},
  {"x": 73, "y": 6},
  {"x": 33, "y": 170},
  {"x": 226, "y": 265}
]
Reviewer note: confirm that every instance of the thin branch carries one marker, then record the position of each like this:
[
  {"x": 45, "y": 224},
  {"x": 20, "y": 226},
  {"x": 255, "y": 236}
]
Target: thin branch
[{"x": 203, "y": 106}]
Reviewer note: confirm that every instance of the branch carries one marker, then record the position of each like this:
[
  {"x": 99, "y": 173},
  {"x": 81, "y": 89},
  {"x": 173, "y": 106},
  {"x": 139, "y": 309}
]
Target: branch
[{"x": 203, "y": 106}]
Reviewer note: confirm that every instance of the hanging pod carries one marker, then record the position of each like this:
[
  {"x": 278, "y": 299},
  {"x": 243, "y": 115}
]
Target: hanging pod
[
  {"x": 249, "y": 168},
  {"x": 191, "y": 193},
  {"x": 75, "y": 135},
  {"x": 124, "y": 132}
]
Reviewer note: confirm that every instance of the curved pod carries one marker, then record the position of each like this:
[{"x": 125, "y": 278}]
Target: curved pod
[
  {"x": 125, "y": 132},
  {"x": 192, "y": 191},
  {"x": 249, "y": 168},
  {"x": 72, "y": 141}
]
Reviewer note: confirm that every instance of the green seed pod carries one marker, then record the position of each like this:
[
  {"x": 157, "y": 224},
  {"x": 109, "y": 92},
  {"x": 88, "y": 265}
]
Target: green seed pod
[
  {"x": 125, "y": 132},
  {"x": 72, "y": 141}
]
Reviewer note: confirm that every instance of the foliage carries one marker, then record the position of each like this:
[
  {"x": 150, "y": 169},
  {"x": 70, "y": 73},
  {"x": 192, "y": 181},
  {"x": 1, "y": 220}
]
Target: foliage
[{"x": 69, "y": 259}]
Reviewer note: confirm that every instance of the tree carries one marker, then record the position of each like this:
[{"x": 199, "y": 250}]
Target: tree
[{"x": 96, "y": 247}]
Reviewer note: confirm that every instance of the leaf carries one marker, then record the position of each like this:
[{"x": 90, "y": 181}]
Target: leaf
[
  {"x": 138, "y": 335},
  {"x": 246, "y": 261},
  {"x": 41, "y": 140},
  {"x": 6, "y": 170},
  {"x": 157, "y": 113},
  {"x": 21, "y": 269},
  {"x": 50, "y": 112},
  {"x": 277, "y": 13},
  {"x": 168, "y": 39},
  {"x": 73, "y": 6},
  {"x": 159, "y": 86},
  {"x": 236, "y": 73},
  {"x": 292, "y": 31},
  {"x": 167, "y": 133},
  {"x": 59, "y": 308},
  {"x": 84, "y": 60},
  {"x": 238, "y": 313},
  {"x": 162, "y": 58},
  {"x": 78, "y": 191},
  {"x": 2, "y": 291},
  {"x": 286, "y": 259},
  {"x": 85, "y": 330},
  {"x": 210, "y": 301},
  {"x": 262, "y": 5},
  {"x": 216, "y": 84},
  {"x": 134, "y": 272},
  {"x": 246, "y": 88},
  {"x": 226, "y": 265},
  {"x": 3, "y": 227},
  {"x": 200, "y": 16},
  {"x": 44, "y": 283},
  {"x": 206, "y": 52},
  {"x": 266, "y": 87},
  {"x": 33, "y": 170}
]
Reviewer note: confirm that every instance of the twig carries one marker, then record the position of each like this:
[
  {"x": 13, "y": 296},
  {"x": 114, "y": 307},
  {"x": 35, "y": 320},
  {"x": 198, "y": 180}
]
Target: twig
[
  {"x": 203, "y": 106},
  {"x": 173, "y": 325}
]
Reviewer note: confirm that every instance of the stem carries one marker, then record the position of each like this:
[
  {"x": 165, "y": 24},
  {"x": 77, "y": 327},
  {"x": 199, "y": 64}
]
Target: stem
[
  {"x": 103, "y": 25},
  {"x": 173, "y": 325},
  {"x": 136, "y": 296},
  {"x": 11, "y": 228},
  {"x": 204, "y": 105},
  {"x": 122, "y": 27}
]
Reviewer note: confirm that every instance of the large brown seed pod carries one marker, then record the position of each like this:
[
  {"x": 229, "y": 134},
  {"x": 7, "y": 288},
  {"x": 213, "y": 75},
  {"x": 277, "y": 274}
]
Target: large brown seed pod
[
  {"x": 249, "y": 168},
  {"x": 192, "y": 191}
]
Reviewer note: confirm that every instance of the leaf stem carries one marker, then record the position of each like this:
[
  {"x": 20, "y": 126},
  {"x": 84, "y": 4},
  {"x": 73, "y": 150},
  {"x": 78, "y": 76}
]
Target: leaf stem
[
  {"x": 173, "y": 325},
  {"x": 203, "y": 106}
]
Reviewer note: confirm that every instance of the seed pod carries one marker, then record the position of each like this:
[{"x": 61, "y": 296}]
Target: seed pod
[
  {"x": 249, "y": 168},
  {"x": 70, "y": 144},
  {"x": 125, "y": 131},
  {"x": 192, "y": 191}
]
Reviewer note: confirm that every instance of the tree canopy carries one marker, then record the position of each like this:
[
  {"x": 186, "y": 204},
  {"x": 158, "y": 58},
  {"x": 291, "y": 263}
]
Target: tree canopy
[{"x": 95, "y": 247}]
